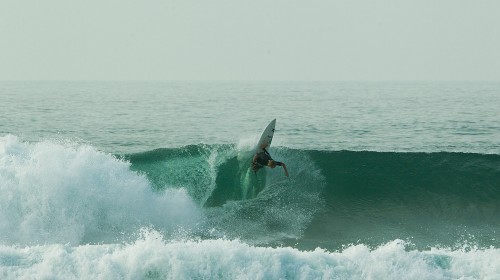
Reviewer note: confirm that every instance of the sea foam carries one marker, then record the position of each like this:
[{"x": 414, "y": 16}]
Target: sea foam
[
  {"x": 151, "y": 257},
  {"x": 56, "y": 192}
]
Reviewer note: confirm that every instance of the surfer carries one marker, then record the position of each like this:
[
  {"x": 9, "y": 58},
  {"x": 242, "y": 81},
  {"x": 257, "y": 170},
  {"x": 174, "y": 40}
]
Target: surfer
[{"x": 263, "y": 158}]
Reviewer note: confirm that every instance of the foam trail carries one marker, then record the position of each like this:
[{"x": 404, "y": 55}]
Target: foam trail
[
  {"x": 150, "y": 257},
  {"x": 68, "y": 193}
]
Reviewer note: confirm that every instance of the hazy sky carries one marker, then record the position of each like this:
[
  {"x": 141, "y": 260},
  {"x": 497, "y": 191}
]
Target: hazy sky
[{"x": 250, "y": 40}]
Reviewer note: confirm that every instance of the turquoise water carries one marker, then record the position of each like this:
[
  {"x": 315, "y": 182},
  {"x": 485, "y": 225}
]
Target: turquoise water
[{"x": 142, "y": 180}]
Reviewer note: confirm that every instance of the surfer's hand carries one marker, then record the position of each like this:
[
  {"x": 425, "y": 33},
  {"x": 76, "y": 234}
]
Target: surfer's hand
[{"x": 285, "y": 169}]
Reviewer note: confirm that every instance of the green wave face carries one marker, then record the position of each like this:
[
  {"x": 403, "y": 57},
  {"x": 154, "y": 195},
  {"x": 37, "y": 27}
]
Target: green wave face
[{"x": 337, "y": 197}]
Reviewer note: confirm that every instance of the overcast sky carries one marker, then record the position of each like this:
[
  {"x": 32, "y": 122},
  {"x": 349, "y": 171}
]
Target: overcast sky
[{"x": 387, "y": 40}]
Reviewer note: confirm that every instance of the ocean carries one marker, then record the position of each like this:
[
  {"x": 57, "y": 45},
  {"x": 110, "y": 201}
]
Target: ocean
[{"x": 146, "y": 180}]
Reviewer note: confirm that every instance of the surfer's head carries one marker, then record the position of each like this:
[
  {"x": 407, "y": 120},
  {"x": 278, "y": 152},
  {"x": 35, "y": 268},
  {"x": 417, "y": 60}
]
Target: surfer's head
[{"x": 271, "y": 163}]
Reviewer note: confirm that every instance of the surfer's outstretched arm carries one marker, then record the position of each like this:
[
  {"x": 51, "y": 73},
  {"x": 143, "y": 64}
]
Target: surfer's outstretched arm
[{"x": 284, "y": 167}]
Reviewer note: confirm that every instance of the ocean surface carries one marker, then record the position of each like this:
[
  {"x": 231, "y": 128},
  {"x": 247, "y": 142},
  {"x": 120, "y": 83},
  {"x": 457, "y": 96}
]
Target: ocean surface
[{"x": 148, "y": 180}]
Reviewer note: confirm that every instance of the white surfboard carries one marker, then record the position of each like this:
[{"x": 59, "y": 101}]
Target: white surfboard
[
  {"x": 267, "y": 137},
  {"x": 251, "y": 183}
]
